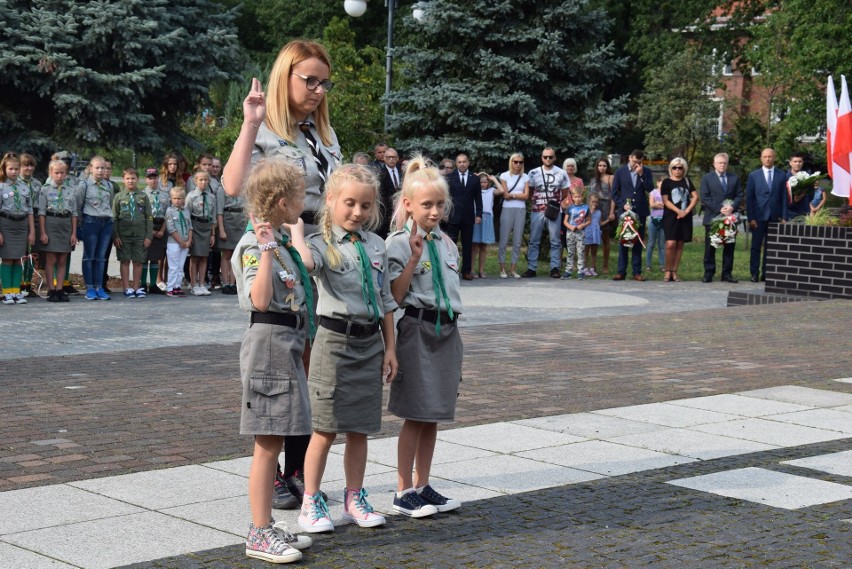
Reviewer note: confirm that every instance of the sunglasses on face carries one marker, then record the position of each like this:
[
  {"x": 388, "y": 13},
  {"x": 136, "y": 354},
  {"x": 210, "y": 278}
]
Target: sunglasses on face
[
  {"x": 517, "y": 161},
  {"x": 677, "y": 167},
  {"x": 548, "y": 157}
]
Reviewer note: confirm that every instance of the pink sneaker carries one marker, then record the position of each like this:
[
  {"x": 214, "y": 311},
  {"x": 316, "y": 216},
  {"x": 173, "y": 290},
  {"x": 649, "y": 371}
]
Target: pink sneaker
[
  {"x": 357, "y": 509},
  {"x": 593, "y": 273}
]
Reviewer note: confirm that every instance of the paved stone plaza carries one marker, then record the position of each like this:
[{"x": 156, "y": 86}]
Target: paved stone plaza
[{"x": 600, "y": 425}]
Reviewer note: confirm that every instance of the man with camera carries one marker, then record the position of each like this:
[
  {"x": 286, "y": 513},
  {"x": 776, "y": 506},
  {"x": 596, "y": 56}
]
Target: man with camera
[{"x": 549, "y": 185}]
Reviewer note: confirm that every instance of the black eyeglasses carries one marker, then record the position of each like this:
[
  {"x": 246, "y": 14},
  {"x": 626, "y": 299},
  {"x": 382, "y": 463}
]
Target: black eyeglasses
[
  {"x": 517, "y": 161},
  {"x": 677, "y": 167},
  {"x": 548, "y": 157},
  {"x": 313, "y": 83}
]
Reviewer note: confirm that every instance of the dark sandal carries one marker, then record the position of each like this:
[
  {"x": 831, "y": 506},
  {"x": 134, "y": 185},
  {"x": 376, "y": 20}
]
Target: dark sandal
[
  {"x": 668, "y": 276},
  {"x": 674, "y": 277}
]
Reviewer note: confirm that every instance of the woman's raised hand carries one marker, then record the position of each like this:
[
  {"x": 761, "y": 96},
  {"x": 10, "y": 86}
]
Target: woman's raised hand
[{"x": 254, "y": 105}]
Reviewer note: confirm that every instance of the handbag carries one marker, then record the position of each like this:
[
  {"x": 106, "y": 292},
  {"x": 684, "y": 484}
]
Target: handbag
[{"x": 551, "y": 211}]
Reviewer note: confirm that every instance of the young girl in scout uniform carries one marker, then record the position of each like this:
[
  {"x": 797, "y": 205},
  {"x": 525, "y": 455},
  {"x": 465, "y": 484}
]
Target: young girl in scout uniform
[
  {"x": 273, "y": 285},
  {"x": 58, "y": 223},
  {"x": 179, "y": 230},
  {"x": 17, "y": 229},
  {"x": 32, "y": 261},
  {"x": 94, "y": 198},
  {"x": 132, "y": 233},
  {"x": 159, "y": 199},
  {"x": 354, "y": 346},
  {"x": 423, "y": 268},
  {"x": 201, "y": 205}
]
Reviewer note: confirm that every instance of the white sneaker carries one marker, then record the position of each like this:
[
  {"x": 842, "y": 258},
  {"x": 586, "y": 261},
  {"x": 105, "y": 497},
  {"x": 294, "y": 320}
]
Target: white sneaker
[
  {"x": 293, "y": 540},
  {"x": 357, "y": 509},
  {"x": 204, "y": 291},
  {"x": 503, "y": 275},
  {"x": 20, "y": 298},
  {"x": 315, "y": 517},
  {"x": 515, "y": 275},
  {"x": 9, "y": 299},
  {"x": 161, "y": 285},
  {"x": 196, "y": 291}
]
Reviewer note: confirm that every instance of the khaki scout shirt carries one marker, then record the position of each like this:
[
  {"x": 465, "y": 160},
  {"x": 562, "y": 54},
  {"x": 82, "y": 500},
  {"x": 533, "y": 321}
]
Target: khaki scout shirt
[{"x": 245, "y": 262}]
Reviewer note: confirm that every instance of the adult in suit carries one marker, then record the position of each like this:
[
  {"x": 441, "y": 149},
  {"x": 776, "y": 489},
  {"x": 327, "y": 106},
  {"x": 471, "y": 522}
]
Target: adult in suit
[
  {"x": 467, "y": 210},
  {"x": 379, "y": 152},
  {"x": 390, "y": 182},
  {"x": 716, "y": 187},
  {"x": 633, "y": 182},
  {"x": 766, "y": 202}
]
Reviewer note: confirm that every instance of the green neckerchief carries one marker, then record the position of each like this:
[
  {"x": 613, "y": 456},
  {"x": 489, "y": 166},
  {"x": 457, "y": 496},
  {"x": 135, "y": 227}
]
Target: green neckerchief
[
  {"x": 304, "y": 277},
  {"x": 368, "y": 291},
  {"x": 60, "y": 199},
  {"x": 182, "y": 222},
  {"x": 204, "y": 206},
  {"x": 437, "y": 277},
  {"x": 16, "y": 196},
  {"x": 132, "y": 205}
]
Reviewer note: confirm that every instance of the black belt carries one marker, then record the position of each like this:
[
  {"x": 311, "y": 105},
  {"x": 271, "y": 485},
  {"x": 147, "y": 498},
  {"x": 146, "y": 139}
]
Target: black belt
[
  {"x": 159, "y": 219},
  {"x": 278, "y": 319},
  {"x": 348, "y": 327},
  {"x": 430, "y": 315},
  {"x": 13, "y": 217},
  {"x": 233, "y": 209},
  {"x": 54, "y": 214},
  {"x": 199, "y": 218},
  {"x": 309, "y": 217}
]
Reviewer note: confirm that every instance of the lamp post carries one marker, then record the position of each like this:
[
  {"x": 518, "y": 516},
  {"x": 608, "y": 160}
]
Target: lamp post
[{"x": 356, "y": 9}]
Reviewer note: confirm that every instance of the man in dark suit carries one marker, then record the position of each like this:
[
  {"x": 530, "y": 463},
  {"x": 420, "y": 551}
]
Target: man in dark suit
[
  {"x": 633, "y": 182},
  {"x": 716, "y": 187},
  {"x": 390, "y": 182},
  {"x": 467, "y": 210},
  {"x": 766, "y": 202}
]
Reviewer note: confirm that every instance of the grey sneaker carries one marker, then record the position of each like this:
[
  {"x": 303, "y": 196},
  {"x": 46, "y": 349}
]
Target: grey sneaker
[
  {"x": 282, "y": 497},
  {"x": 264, "y": 543}
]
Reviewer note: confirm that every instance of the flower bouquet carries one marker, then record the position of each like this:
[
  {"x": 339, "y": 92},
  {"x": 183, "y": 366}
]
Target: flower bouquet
[
  {"x": 723, "y": 228},
  {"x": 627, "y": 233},
  {"x": 801, "y": 183}
]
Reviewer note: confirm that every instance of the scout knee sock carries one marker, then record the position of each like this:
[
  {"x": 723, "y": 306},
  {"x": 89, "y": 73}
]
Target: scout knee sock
[
  {"x": 143, "y": 280},
  {"x": 152, "y": 272},
  {"x": 6, "y": 278},
  {"x": 67, "y": 281},
  {"x": 27, "y": 272}
]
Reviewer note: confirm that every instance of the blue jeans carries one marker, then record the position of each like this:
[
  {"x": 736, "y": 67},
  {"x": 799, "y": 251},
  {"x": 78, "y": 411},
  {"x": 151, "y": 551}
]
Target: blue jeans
[
  {"x": 97, "y": 234},
  {"x": 656, "y": 237},
  {"x": 537, "y": 224}
]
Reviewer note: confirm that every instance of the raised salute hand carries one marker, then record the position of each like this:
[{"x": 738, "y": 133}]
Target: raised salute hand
[
  {"x": 254, "y": 105},
  {"x": 415, "y": 241}
]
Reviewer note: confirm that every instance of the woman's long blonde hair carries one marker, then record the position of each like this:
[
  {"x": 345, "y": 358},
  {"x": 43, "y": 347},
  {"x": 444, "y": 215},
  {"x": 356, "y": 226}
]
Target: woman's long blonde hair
[
  {"x": 346, "y": 174},
  {"x": 278, "y": 116},
  {"x": 419, "y": 172}
]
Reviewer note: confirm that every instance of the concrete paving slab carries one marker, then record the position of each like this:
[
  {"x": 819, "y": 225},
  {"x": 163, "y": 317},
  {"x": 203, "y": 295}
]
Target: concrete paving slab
[
  {"x": 238, "y": 466},
  {"x": 606, "y": 458},
  {"x": 230, "y": 515},
  {"x": 839, "y": 463},
  {"x": 770, "y": 432},
  {"x": 506, "y": 437},
  {"x": 17, "y": 558},
  {"x": 801, "y": 395},
  {"x": 776, "y": 489},
  {"x": 511, "y": 474},
  {"x": 844, "y": 379},
  {"x": 844, "y": 408},
  {"x": 694, "y": 444},
  {"x": 383, "y": 451},
  {"x": 739, "y": 405},
  {"x": 666, "y": 415},
  {"x": 55, "y": 505},
  {"x": 473, "y": 298},
  {"x": 590, "y": 425},
  {"x": 828, "y": 419},
  {"x": 104, "y": 543},
  {"x": 158, "y": 489}
]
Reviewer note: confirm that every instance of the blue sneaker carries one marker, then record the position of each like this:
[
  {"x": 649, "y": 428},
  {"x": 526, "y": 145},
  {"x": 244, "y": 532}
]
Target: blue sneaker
[
  {"x": 102, "y": 294},
  {"x": 442, "y": 503},
  {"x": 411, "y": 504},
  {"x": 91, "y": 294}
]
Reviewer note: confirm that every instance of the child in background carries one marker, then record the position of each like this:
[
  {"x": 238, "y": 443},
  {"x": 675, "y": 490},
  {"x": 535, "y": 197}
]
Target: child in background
[
  {"x": 71, "y": 180},
  {"x": 133, "y": 229},
  {"x": 94, "y": 198},
  {"x": 818, "y": 200},
  {"x": 274, "y": 287},
  {"x": 179, "y": 229},
  {"x": 593, "y": 236},
  {"x": 58, "y": 223},
  {"x": 656, "y": 235},
  {"x": 483, "y": 232},
  {"x": 159, "y": 199},
  {"x": 576, "y": 220},
  {"x": 354, "y": 349},
  {"x": 201, "y": 206},
  {"x": 230, "y": 223},
  {"x": 424, "y": 274},
  {"x": 32, "y": 261},
  {"x": 17, "y": 228}
]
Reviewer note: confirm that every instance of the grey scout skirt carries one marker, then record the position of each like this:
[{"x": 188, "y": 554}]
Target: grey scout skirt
[
  {"x": 235, "y": 226},
  {"x": 15, "y": 233},
  {"x": 275, "y": 390},
  {"x": 58, "y": 231},
  {"x": 346, "y": 382},
  {"x": 200, "y": 238},
  {"x": 427, "y": 383}
]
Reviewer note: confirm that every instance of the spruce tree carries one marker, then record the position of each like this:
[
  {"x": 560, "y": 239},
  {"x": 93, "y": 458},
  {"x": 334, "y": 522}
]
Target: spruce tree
[
  {"x": 108, "y": 72},
  {"x": 493, "y": 77}
]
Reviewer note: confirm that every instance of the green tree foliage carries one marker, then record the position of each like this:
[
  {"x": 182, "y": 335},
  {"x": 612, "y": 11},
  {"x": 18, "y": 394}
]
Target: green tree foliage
[
  {"x": 108, "y": 73},
  {"x": 677, "y": 111},
  {"x": 492, "y": 77}
]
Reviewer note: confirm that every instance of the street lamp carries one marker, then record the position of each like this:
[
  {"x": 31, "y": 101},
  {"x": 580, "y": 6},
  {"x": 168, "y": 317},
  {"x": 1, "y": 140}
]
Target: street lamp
[{"x": 356, "y": 8}]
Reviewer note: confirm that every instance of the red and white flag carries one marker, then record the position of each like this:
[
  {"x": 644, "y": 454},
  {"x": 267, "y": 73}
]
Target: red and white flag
[
  {"x": 841, "y": 152},
  {"x": 830, "y": 123}
]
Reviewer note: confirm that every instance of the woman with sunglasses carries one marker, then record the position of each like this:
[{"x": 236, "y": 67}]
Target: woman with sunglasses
[
  {"x": 515, "y": 190},
  {"x": 679, "y": 199}
]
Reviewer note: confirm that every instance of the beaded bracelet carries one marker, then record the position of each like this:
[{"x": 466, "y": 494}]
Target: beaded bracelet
[{"x": 268, "y": 246}]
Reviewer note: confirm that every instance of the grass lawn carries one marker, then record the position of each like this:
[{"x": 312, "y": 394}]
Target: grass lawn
[{"x": 691, "y": 263}]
